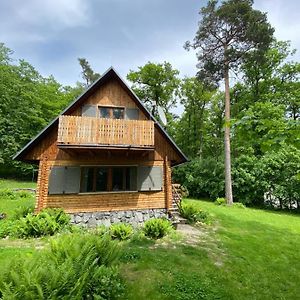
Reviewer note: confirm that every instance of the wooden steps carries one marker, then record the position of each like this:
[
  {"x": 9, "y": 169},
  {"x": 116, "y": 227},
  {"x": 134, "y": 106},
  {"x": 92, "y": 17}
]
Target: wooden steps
[{"x": 176, "y": 201}]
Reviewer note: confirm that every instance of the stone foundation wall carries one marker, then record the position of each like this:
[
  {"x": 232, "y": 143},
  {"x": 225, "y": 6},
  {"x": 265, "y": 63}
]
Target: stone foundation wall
[{"x": 133, "y": 217}]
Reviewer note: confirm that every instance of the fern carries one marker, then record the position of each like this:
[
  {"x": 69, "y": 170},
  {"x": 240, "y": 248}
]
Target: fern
[{"x": 74, "y": 267}]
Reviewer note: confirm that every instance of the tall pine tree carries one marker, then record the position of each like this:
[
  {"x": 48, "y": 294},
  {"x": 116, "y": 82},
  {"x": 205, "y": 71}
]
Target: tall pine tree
[{"x": 226, "y": 33}]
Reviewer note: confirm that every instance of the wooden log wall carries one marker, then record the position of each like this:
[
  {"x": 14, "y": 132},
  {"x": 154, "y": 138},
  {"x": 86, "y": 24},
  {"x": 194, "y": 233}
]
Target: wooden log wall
[{"x": 92, "y": 202}]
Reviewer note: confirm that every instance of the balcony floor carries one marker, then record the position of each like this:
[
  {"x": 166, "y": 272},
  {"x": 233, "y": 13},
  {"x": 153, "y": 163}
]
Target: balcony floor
[{"x": 104, "y": 147}]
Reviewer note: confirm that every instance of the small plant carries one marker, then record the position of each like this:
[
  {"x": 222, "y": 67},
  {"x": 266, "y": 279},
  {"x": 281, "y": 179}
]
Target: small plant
[
  {"x": 75, "y": 267},
  {"x": 22, "y": 211},
  {"x": 99, "y": 230},
  {"x": 220, "y": 201},
  {"x": 120, "y": 231},
  {"x": 5, "y": 228},
  {"x": 193, "y": 214},
  {"x": 47, "y": 222},
  {"x": 7, "y": 193},
  {"x": 239, "y": 205},
  {"x": 157, "y": 228}
]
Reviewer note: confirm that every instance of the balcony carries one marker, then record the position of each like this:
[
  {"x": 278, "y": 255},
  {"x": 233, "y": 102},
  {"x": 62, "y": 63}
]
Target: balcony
[{"x": 74, "y": 131}]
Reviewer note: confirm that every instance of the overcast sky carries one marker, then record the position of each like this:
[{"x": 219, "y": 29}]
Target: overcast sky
[{"x": 52, "y": 34}]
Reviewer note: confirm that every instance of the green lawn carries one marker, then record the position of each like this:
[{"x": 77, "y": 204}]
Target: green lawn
[
  {"x": 243, "y": 254},
  {"x": 11, "y": 184},
  {"x": 10, "y": 203}
]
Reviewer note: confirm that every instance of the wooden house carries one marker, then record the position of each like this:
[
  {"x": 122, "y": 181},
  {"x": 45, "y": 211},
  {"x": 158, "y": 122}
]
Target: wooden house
[{"x": 105, "y": 158}]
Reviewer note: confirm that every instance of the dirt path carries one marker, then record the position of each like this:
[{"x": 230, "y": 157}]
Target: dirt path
[{"x": 205, "y": 238}]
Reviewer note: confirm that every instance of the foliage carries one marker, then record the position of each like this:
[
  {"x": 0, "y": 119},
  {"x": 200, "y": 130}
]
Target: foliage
[
  {"x": 192, "y": 213},
  {"x": 157, "y": 228},
  {"x": 47, "y": 222},
  {"x": 22, "y": 211},
  {"x": 226, "y": 33},
  {"x": 121, "y": 231},
  {"x": 15, "y": 204},
  {"x": 220, "y": 201},
  {"x": 202, "y": 177},
  {"x": 87, "y": 72},
  {"x": 156, "y": 83},
  {"x": 239, "y": 205},
  {"x": 28, "y": 102},
  {"x": 99, "y": 230},
  {"x": 5, "y": 228},
  {"x": 75, "y": 267}
]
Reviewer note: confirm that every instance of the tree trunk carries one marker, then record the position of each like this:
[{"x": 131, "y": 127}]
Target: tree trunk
[{"x": 228, "y": 183}]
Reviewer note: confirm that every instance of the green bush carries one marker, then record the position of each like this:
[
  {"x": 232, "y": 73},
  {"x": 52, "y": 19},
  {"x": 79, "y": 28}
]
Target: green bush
[
  {"x": 99, "y": 230},
  {"x": 7, "y": 193},
  {"x": 220, "y": 201},
  {"x": 193, "y": 214},
  {"x": 75, "y": 267},
  {"x": 120, "y": 231},
  {"x": 15, "y": 195},
  {"x": 5, "y": 228},
  {"x": 157, "y": 228},
  {"x": 22, "y": 211},
  {"x": 239, "y": 205},
  {"x": 47, "y": 222}
]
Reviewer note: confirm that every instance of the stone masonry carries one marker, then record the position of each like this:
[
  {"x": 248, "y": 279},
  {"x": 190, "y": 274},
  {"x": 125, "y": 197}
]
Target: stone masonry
[{"x": 133, "y": 217}]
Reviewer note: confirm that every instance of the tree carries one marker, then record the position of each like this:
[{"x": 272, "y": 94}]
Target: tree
[
  {"x": 28, "y": 102},
  {"x": 273, "y": 78},
  {"x": 156, "y": 83},
  {"x": 225, "y": 35},
  {"x": 87, "y": 72}
]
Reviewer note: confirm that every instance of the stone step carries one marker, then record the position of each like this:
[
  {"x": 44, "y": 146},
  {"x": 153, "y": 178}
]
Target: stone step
[{"x": 179, "y": 220}]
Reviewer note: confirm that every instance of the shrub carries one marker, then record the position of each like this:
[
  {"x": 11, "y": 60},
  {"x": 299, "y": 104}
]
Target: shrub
[
  {"x": 157, "y": 228},
  {"x": 5, "y": 228},
  {"x": 220, "y": 201},
  {"x": 7, "y": 193},
  {"x": 22, "y": 211},
  {"x": 120, "y": 231},
  {"x": 75, "y": 267},
  {"x": 239, "y": 205},
  {"x": 193, "y": 214},
  {"x": 100, "y": 230},
  {"x": 47, "y": 222},
  {"x": 15, "y": 195}
]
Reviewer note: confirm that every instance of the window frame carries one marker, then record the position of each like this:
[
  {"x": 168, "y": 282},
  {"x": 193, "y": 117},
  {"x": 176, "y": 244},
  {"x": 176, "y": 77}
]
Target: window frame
[
  {"x": 111, "y": 108},
  {"x": 109, "y": 185}
]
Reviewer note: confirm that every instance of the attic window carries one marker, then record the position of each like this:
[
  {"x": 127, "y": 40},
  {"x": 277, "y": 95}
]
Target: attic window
[{"x": 111, "y": 112}]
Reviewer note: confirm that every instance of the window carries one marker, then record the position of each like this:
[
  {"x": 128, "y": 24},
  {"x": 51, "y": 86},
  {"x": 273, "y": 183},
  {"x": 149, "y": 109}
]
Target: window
[
  {"x": 107, "y": 179},
  {"x": 111, "y": 112},
  {"x": 104, "y": 112}
]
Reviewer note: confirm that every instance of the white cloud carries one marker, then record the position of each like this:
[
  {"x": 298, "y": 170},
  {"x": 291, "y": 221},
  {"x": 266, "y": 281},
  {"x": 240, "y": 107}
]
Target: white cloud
[
  {"x": 55, "y": 13},
  {"x": 284, "y": 17}
]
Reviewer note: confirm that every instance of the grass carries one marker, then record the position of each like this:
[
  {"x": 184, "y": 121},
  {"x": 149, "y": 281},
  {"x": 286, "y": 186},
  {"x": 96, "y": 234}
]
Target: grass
[
  {"x": 243, "y": 254},
  {"x": 246, "y": 254},
  {"x": 12, "y": 184},
  {"x": 9, "y": 205}
]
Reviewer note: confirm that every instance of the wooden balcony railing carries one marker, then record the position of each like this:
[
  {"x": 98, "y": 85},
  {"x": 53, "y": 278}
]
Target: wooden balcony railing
[{"x": 76, "y": 130}]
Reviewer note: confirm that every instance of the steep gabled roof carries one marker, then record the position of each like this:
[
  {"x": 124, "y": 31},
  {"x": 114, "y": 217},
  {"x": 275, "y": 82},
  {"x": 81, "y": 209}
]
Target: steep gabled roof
[{"x": 110, "y": 73}]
